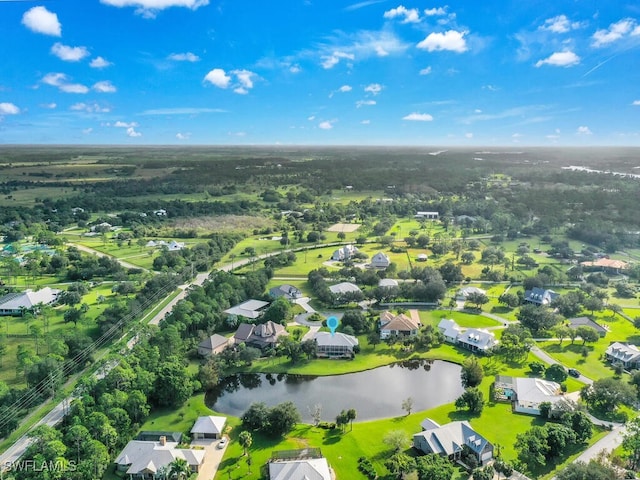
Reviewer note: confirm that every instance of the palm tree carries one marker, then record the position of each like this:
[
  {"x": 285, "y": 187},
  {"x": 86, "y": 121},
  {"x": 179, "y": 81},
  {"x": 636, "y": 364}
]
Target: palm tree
[
  {"x": 179, "y": 469},
  {"x": 245, "y": 439}
]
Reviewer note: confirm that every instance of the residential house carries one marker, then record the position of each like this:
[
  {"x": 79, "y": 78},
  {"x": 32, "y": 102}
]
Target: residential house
[
  {"x": 160, "y": 213},
  {"x": 400, "y": 325},
  {"x": 156, "y": 435},
  {"x": 450, "y": 330},
  {"x": 17, "y": 303},
  {"x": 451, "y": 440},
  {"x": 422, "y": 257},
  {"x": 289, "y": 292},
  {"x": 259, "y": 336},
  {"x": 427, "y": 215},
  {"x": 305, "y": 464},
  {"x": 387, "y": 283},
  {"x": 464, "y": 293},
  {"x": 344, "y": 253},
  {"x": 626, "y": 354},
  {"x": 251, "y": 309},
  {"x": 380, "y": 260},
  {"x": 474, "y": 339},
  {"x": 526, "y": 394},
  {"x": 174, "y": 246},
  {"x": 607, "y": 265},
  {"x": 575, "y": 323},
  {"x": 144, "y": 459},
  {"x": 336, "y": 345},
  {"x": 477, "y": 340},
  {"x": 344, "y": 287},
  {"x": 540, "y": 296},
  {"x": 212, "y": 345},
  {"x": 208, "y": 427}
]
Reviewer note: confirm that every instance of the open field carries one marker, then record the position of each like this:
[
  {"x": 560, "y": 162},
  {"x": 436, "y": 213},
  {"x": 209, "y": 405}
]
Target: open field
[{"x": 344, "y": 227}]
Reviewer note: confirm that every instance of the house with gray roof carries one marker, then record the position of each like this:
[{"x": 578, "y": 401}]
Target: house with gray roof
[
  {"x": 388, "y": 283},
  {"x": 450, "y": 330},
  {"x": 143, "y": 460},
  {"x": 380, "y": 260},
  {"x": 344, "y": 253},
  {"x": 626, "y": 354},
  {"x": 575, "y": 323},
  {"x": 259, "y": 336},
  {"x": 477, "y": 340},
  {"x": 336, "y": 345},
  {"x": 212, "y": 345},
  {"x": 305, "y": 469},
  {"x": 464, "y": 293},
  {"x": 17, "y": 303},
  {"x": 451, "y": 439},
  {"x": 540, "y": 296},
  {"x": 251, "y": 309},
  {"x": 344, "y": 287},
  {"x": 208, "y": 427},
  {"x": 289, "y": 292}
]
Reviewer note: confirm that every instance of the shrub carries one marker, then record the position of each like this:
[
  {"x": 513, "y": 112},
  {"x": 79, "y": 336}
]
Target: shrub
[{"x": 366, "y": 467}]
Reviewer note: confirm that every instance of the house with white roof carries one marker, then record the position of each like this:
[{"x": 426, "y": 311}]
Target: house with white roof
[
  {"x": 208, "y": 427},
  {"x": 344, "y": 287},
  {"x": 336, "y": 345},
  {"x": 143, "y": 459},
  {"x": 477, "y": 340},
  {"x": 464, "y": 293},
  {"x": 400, "y": 325},
  {"x": 305, "y": 464},
  {"x": 427, "y": 215},
  {"x": 380, "y": 260},
  {"x": 17, "y": 303},
  {"x": 540, "y": 296},
  {"x": 527, "y": 394},
  {"x": 626, "y": 354},
  {"x": 287, "y": 291},
  {"x": 451, "y": 439},
  {"x": 388, "y": 283},
  {"x": 174, "y": 246},
  {"x": 251, "y": 309}
]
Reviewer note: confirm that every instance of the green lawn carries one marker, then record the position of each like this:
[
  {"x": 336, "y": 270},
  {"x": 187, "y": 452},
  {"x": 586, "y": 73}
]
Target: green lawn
[{"x": 467, "y": 320}]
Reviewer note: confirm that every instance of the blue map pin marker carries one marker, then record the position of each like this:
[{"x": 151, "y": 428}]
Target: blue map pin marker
[{"x": 332, "y": 323}]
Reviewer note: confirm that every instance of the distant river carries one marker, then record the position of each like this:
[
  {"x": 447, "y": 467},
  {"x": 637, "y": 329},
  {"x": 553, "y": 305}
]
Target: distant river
[{"x": 375, "y": 394}]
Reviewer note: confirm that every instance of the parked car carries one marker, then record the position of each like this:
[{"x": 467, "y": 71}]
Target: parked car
[
  {"x": 222, "y": 443},
  {"x": 573, "y": 372}
]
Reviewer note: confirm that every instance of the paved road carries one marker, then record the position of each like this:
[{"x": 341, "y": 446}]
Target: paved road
[
  {"x": 610, "y": 442},
  {"x": 538, "y": 352}
]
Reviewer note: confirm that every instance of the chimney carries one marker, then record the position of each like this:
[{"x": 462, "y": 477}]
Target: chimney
[{"x": 163, "y": 440}]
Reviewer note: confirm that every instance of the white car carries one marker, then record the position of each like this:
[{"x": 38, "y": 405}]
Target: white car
[{"x": 222, "y": 443}]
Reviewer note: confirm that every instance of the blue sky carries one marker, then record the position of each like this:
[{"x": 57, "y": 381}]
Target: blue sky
[{"x": 320, "y": 72}]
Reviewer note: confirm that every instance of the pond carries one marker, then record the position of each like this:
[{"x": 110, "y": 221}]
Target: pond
[{"x": 375, "y": 394}]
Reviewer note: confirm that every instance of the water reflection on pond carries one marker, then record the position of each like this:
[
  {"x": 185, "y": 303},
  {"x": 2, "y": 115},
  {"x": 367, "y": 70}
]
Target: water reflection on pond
[{"x": 376, "y": 393}]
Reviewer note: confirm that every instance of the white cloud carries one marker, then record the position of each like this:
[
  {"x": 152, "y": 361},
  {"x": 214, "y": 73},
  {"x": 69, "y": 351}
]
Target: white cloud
[
  {"x": 560, "y": 59},
  {"x": 184, "y": 57},
  {"x": 636, "y": 31},
  {"x": 7, "y": 108},
  {"x": 49, "y": 106},
  {"x": 60, "y": 80},
  {"x": 516, "y": 135},
  {"x": 87, "y": 131},
  {"x": 345, "y": 88},
  {"x": 69, "y": 54},
  {"x": 326, "y": 125},
  {"x": 104, "y": 86},
  {"x": 218, "y": 77},
  {"x": 409, "y": 15},
  {"x": 100, "y": 62},
  {"x": 332, "y": 60},
  {"x": 41, "y": 20},
  {"x": 363, "y": 103},
  {"x": 418, "y": 117},
  {"x": 89, "y": 108},
  {"x": 559, "y": 24},
  {"x": 183, "y": 136},
  {"x": 181, "y": 111},
  {"x": 244, "y": 77},
  {"x": 120, "y": 124},
  {"x": 425, "y": 71},
  {"x": 431, "y": 12},
  {"x": 451, "y": 40},
  {"x": 131, "y": 132},
  {"x": 582, "y": 130},
  {"x": 615, "y": 32},
  {"x": 373, "y": 88},
  {"x": 365, "y": 122},
  {"x": 468, "y": 135},
  {"x": 295, "y": 68},
  {"x": 636, "y": 103},
  {"x": 149, "y": 8},
  {"x": 477, "y": 110},
  {"x": 311, "y": 118}
]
